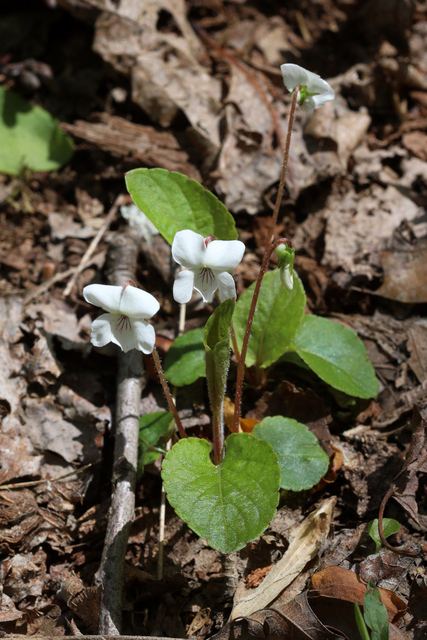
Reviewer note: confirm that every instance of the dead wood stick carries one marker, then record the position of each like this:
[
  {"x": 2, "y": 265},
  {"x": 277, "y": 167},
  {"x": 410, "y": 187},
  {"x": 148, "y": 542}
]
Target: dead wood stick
[
  {"x": 121, "y": 259},
  {"x": 96, "y": 240}
]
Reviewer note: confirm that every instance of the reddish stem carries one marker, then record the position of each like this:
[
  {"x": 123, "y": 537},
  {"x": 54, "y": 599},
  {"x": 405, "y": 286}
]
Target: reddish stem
[
  {"x": 168, "y": 395},
  {"x": 270, "y": 235},
  {"x": 241, "y": 363},
  {"x": 267, "y": 254}
]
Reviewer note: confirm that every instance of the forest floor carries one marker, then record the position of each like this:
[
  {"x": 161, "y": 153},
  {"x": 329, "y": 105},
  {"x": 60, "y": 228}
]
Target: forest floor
[{"x": 196, "y": 87}]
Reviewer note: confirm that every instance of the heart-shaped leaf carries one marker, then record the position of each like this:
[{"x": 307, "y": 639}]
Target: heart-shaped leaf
[
  {"x": 278, "y": 314},
  {"x": 185, "y": 361},
  {"x": 228, "y": 504},
  {"x": 337, "y": 355},
  {"x": 29, "y": 137},
  {"x": 301, "y": 458},
  {"x": 173, "y": 202}
]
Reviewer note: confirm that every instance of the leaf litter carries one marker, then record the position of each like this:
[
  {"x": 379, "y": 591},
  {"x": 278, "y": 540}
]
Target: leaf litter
[{"x": 162, "y": 95}]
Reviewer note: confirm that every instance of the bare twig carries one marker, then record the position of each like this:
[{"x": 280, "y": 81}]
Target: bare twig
[
  {"x": 35, "y": 483},
  {"x": 122, "y": 258},
  {"x": 95, "y": 242}
]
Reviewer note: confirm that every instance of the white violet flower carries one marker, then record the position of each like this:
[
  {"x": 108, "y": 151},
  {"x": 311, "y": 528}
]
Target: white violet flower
[
  {"x": 208, "y": 262},
  {"x": 125, "y": 321},
  {"x": 314, "y": 90}
]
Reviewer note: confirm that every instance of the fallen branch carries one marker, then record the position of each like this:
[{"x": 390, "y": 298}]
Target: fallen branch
[{"x": 121, "y": 259}]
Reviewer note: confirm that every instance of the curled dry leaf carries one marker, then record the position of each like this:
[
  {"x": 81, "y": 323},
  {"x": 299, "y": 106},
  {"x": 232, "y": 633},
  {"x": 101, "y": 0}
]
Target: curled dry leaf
[
  {"x": 304, "y": 545},
  {"x": 343, "y": 584}
]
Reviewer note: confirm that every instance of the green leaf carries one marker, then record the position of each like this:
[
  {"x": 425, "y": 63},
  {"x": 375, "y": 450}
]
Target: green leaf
[
  {"x": 217, "y": 344},
  {"x": 185, "y": 361},
  {"x": 228, "y": 504},
  {"x": 301, "y": 458},
  {"x": 390, "y": 527},
  {"x": 173, "y": 202},
  {"x": 154, "y": 429},
  {"x": 375, "y": 613},
  {"x": 336, "y": 355},
  {"x": 278, "y": 314},
  {"x": 29, "y": 137}
]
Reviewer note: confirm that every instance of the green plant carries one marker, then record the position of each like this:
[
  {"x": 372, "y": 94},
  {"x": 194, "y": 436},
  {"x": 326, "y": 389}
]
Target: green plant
[
  {"x": 374, "y": 616},
  {"x": 231, "y": 498},
  {"x": 29, "y": 137},
  {"x": 390, "y": 527}
]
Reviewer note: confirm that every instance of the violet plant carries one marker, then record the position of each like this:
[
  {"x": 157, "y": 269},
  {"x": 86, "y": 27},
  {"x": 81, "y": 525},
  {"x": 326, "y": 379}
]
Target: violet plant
[{"x": 231, "y": 498}]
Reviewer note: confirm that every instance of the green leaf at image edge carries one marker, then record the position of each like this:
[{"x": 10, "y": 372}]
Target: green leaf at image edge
[
  {"x": 336, "y": 355},
  {"x": 229, "y": 504},
  {"x": 173, "y": 202},
  {"x": 185, "y": 361},
  {"x": 301, "y": 458},
  {"x": 277, "y": 317},
  {"x": 29, "y": 137}
]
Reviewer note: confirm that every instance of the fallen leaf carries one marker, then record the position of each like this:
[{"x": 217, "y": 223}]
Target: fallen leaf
[
  {"x": 404, "y": 275},
  {"x": 343, "y": 584},
  {"x": 303, "y": 547}
]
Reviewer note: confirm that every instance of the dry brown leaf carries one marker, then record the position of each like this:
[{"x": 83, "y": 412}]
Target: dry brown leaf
[
  {"x": 404, "y": 275},
  {"x": 304, "y": 545},
  {"x": 343, "y": 584}
]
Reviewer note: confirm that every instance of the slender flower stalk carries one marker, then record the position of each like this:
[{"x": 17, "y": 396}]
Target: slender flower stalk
[
  {"x": 269, "y": 248},
  {"x": 270, "y": 236},
  {"x": 241, "y": 363},
  {"x": 168, "y": 395}
]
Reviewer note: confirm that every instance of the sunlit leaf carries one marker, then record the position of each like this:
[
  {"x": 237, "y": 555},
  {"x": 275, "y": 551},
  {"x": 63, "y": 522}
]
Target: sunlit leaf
[
  {"x": 336, "y": 355},
  {"x": 173, "y": 203},
  {"x": 29, "y": 137},
  {"x": 302, "y": 460},
  {"x": 278, "y": 314},
  {"x": 229, "y": 504}
]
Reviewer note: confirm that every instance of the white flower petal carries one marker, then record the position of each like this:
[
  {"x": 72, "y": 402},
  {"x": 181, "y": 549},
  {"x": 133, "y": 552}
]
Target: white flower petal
[
  {"x": 188, "y": 249},
  {"x": 101, "y": 333},
  {"x": 224, "y": 254},
  {"x": 206, "y": 283},
  {"x": 226, "y": 285},
  {"x": 309, "y": 105},
  {"x": 293, "y": 74},
  {"x": 145, "y": 336},
  {"x": 103, "y": 295},
  {"x": 137, "y": 303},
  {"x": 183, "y": 287},
  {"x": 123, "y": 333},
  {"x": 324, "y": 97},
  {"x": 317, "y": 85}
]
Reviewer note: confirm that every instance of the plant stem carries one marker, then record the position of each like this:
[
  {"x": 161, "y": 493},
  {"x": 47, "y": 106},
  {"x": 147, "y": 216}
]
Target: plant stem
[
  {"x": 270, "y": 235},
  {"x": 267, "y": 254},
  {"x": 241, "y": 363},
  {"x": 218, "y": 433},
  {"x": 168, "y": 395}
]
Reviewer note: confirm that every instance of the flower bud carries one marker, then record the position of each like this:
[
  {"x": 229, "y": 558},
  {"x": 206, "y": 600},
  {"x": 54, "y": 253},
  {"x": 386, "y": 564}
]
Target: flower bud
[{"x": 285, "y": 257}]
